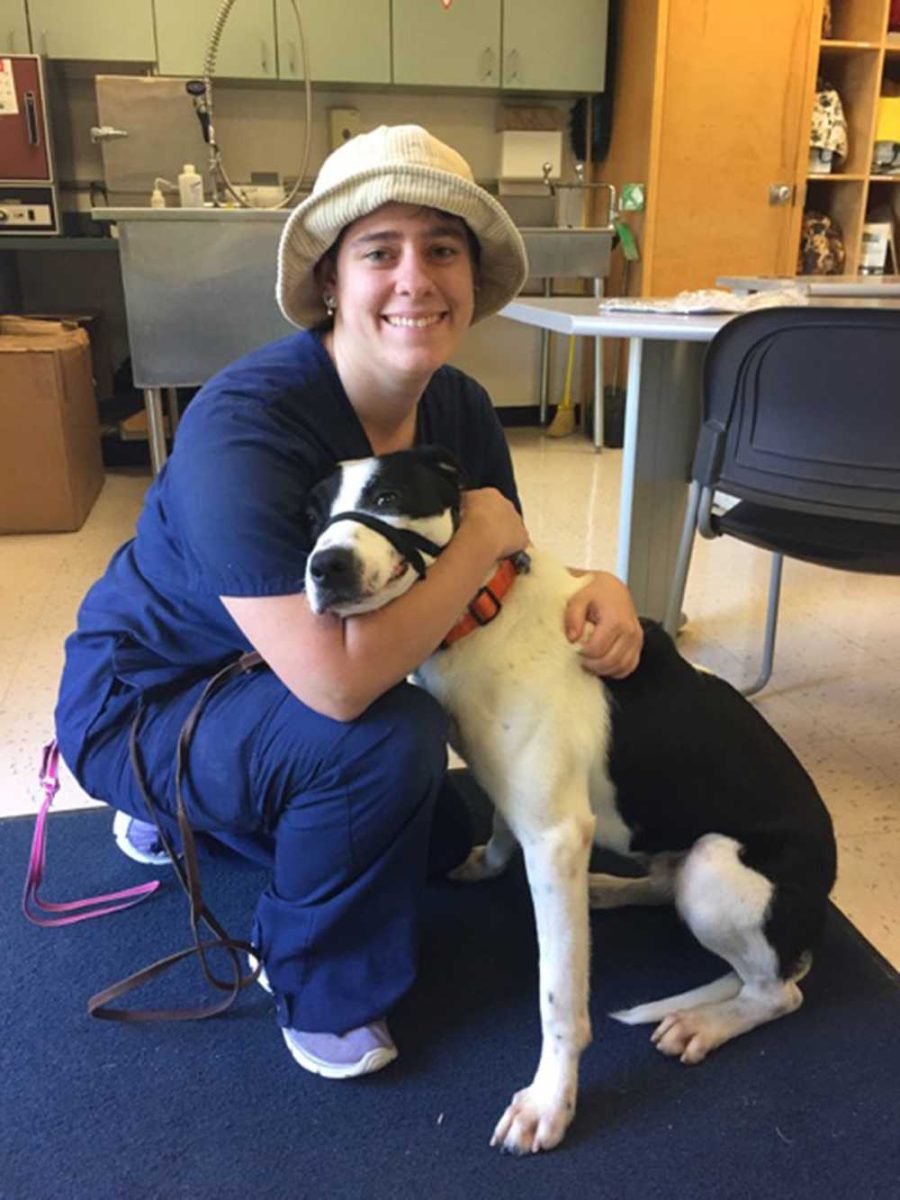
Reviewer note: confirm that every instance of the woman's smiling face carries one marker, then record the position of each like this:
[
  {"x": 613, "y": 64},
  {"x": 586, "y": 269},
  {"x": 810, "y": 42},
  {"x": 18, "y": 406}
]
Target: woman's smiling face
[{"x": 404, "y": 282}]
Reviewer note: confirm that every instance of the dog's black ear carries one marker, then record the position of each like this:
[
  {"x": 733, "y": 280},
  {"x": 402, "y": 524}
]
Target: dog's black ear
[
  {"x": 444, "y": 462},
  {"x": 319, "y": 503}
]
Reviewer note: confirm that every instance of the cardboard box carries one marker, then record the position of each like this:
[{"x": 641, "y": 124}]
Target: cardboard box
[
  {"x": 92, "y": 322},
  {"x": 51, "y": 469}
]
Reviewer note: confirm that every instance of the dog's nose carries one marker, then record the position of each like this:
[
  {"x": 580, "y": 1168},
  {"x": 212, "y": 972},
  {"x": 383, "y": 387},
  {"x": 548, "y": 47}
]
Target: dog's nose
[{"x": 333, "y": 567}]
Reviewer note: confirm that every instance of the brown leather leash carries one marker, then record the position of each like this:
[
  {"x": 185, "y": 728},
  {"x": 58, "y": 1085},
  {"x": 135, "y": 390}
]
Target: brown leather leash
[{"x": 188, "y": 874}]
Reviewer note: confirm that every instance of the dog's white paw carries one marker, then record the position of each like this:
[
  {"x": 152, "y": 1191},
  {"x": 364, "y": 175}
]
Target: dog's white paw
[
  {"x": 691, "y": 1033},
  {"x": 532, "y": 1123},
  {"x": 477, "y": 867},
  {"x": 685, "y": 1035}
]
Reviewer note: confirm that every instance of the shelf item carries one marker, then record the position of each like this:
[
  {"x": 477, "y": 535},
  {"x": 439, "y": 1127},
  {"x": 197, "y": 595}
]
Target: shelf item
[
  {"x": 886, "y": 150},
  {"x": 822, "y": 246},
  {"x": 828, "y": 136}
]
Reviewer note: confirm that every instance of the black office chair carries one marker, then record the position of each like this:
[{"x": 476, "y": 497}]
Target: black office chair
[{"x": 801, "y": 423}]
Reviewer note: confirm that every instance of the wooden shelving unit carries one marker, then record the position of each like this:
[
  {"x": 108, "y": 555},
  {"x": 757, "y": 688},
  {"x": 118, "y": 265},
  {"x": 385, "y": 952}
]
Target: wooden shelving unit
[{"x": 857, "y": 61}]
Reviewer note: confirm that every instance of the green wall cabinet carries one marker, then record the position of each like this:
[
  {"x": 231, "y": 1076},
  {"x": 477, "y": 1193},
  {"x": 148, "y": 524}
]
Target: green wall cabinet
[
  {"x": 347, "y": 41},
  {"x": 558, "y": 46},
  {"x": 103, "y": 30},
  {"x": 455, "y": 46},
  {"x": 247, "y": 47},
  {"x": 13, "y": 27}
]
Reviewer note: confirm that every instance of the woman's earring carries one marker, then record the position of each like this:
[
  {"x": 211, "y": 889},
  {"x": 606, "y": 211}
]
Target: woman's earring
[{"x": 330, "y": 303}]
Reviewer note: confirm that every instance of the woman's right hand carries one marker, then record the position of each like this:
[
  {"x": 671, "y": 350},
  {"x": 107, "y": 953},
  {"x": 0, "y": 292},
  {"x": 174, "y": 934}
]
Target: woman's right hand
[{"x": 487, "y": 511}]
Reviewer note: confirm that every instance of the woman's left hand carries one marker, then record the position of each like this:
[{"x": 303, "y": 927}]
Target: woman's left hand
[{"x": 613, "y": 648}]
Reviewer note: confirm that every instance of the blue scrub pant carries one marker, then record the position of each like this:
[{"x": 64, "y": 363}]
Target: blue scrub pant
[{"x": 342, "y": 812}]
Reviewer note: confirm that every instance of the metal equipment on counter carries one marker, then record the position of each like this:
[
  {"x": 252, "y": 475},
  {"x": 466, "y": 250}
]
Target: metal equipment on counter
[{"x": 28, "y": 198}]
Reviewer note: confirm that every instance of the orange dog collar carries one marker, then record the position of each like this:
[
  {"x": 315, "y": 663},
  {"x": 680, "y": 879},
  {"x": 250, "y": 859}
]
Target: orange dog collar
[{"x": 486, "y": 604}]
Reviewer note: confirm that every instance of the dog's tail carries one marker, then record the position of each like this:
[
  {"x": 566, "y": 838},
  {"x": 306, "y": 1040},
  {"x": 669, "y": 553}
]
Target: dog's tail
[{"x": 725, "y": 988}]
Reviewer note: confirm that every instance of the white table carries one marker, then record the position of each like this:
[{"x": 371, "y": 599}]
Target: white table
[
  {"x": 663, "y": 408},
  {"x": 876, "y": 286}
]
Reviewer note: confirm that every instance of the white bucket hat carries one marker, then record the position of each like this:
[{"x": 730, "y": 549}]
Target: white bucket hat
[{"x": 400, "y": 164}]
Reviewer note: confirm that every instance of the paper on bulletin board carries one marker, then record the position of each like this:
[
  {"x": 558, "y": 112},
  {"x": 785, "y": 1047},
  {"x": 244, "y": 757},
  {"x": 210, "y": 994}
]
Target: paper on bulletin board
[{"x": 9, "y": 102}]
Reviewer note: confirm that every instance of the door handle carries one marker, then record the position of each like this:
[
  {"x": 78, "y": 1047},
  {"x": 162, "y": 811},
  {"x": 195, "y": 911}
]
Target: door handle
[
  {"x": 34, "y": 133},
  {"x": 106, "y": 133},
  {"x": 780, "y": 193},
  {"x": 488, "y": 60},
  {"x": 512, "y": 65}
]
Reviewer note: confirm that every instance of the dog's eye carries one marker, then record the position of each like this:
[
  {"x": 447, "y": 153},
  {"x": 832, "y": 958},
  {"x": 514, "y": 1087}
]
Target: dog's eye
[{"x": 384, "y": 499}]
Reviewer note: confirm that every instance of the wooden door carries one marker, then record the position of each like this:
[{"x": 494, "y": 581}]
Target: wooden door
[
  {"x": 246, "y": 48},
  {"x": 13, "y": 27},
  {"x": 558, "y": 46},
  {"x": 112, "y": 30},
  {"x": 731, "y": 119},
  {"x": 441, "y": 45},
  {"x": 334, "y": 56}
]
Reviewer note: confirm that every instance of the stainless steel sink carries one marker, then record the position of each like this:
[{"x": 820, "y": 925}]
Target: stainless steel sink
[
  {"x": 568, "y": 253},
  {"x": 554, "y": 250}
]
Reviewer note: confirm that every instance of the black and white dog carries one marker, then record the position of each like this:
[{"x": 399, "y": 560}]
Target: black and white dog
[{"x": 670, "y": 766}]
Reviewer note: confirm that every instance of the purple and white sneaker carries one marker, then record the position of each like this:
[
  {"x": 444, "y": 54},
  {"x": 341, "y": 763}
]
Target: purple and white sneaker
[
  {"x": 336, "y": 1056},
  {"x": 139, "y": 840},
  {"x": 342, "y": 1056}
]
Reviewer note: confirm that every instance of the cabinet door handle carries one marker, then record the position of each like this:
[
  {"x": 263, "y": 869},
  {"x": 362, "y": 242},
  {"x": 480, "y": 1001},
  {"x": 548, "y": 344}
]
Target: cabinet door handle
[
  {"x": 45, "y": 48},
  {"x": 488, "y": 60},
  {"x": 12, "y": 41},
  {"x": 264, "y": 55},
  {"x": 512, "y": 65},
  {"x": 34, "y": 133},
  {"x": 292, "y": 58}
]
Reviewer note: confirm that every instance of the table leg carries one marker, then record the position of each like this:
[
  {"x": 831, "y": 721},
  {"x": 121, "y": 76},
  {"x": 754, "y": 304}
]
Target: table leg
[
  {"x": 545, "y": 364},
  {"x": 156, "y": 431},
  {"x": 662, "y": 419},
  {"x": 598, "y": 377},
  {"x": 172, "y": 408}
]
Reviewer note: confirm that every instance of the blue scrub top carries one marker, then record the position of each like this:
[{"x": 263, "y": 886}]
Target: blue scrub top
[{"x": 226, "y": 517}]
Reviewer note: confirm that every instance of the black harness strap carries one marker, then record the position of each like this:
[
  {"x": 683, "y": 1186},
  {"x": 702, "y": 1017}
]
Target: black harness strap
[{"x": 405, "y": 541}]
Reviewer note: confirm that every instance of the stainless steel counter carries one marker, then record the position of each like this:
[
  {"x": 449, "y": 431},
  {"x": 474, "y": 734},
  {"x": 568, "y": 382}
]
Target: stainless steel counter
[{"x": 199, "y": 288}]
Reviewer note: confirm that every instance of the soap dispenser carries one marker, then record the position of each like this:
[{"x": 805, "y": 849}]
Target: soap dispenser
[{"x": 190, "y": 187}]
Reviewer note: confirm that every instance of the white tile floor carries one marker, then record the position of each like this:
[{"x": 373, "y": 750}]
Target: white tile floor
[{"x": 835, "y": 696}]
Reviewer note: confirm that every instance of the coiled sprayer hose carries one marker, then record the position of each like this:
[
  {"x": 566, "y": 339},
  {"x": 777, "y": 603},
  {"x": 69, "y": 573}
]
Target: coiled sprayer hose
[{"x": 216, "y": 165}]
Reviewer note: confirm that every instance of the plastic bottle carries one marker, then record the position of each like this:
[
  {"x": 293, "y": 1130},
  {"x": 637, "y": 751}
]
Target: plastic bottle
[
  {"x": 190, "y": 187},
  {"x": 157, "y": 199}
]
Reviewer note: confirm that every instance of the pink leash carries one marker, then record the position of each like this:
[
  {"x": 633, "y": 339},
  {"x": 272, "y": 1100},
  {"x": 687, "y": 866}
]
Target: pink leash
[{"x": 49, "y": 780}]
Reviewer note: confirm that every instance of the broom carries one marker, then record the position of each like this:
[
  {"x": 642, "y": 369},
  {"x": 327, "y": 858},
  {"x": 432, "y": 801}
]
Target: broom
[{"x": 563, "y": 422}]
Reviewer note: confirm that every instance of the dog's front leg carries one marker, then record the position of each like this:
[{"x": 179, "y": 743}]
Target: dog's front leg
[{"x": 557, "y": 864}]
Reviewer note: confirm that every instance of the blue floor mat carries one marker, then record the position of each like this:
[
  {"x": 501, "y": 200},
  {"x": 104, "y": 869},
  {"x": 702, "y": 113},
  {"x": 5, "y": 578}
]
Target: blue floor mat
[{"x": 806, "y": 1107}]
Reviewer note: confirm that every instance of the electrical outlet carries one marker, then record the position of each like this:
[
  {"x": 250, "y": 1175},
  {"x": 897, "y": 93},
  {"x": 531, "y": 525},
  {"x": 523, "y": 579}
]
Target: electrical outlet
[
  {"x": 632, "y": 199},
  {"x": 343, "y": 124}
]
